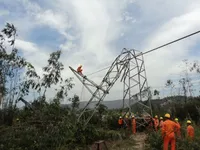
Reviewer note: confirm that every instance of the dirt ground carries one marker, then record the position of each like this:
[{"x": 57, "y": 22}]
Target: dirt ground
[{"x": 135, "y": 142}]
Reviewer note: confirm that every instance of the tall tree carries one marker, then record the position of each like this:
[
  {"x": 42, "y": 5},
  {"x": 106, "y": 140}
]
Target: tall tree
[
  {"x": 170, "y": 85},
  {"x": 12, "y": 68},
  {"x": 156, "y": 92},
  {"x": 75, "y": 102}
]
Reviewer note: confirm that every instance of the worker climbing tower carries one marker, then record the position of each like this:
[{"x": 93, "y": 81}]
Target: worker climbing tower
[{"x": 129, "y": 67}]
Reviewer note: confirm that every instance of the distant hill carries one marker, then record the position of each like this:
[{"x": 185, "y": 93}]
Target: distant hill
[
  {"x": 110, "y": 104},
  {"x": 116, "y": 104}
]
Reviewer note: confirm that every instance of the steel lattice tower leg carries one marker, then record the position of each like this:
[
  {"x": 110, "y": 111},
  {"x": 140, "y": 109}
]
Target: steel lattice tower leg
[{"x": 135, "y": 83}]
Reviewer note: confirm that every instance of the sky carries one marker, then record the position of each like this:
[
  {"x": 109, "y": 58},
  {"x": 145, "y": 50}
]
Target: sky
[{"x": 94, "y": 32}]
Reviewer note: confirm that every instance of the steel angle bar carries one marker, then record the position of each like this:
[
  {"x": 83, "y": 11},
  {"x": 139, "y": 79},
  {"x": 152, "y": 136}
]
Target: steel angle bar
[
  {"x": 133, "y": 78},
  {"x": 144, "y": 105},
  {"x": 133, "y": 86}
]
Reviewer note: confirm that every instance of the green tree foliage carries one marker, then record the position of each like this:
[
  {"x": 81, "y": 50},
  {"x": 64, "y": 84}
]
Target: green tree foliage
[
  {"x": 101, "y": 109},
  {"x": 13, "y": 84},
  {"x": 44, "y": 124},
  {"x": 170, "y": 85},
  {"x": 75, "y": 102}
]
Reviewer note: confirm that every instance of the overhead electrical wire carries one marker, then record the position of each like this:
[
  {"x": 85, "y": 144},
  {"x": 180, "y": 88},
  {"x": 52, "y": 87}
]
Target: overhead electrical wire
[
  {"x": 98, "y": 71},
  {"x": 169, "y": 43},
  {"x": 184, "y": 37}
]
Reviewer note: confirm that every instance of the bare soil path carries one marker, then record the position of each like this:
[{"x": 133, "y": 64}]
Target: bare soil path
[
  {"x": 135, "y": 142},
  {"x": 139, "y": 139}
]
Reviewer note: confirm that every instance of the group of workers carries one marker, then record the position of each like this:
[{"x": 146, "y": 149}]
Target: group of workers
[{"x": 170, "y": 129}]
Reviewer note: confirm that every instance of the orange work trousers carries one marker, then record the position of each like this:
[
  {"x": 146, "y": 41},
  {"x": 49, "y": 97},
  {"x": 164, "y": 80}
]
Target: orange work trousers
[
  {"x": 169, "y": 139},
  {"x": 134, "y": 128}
]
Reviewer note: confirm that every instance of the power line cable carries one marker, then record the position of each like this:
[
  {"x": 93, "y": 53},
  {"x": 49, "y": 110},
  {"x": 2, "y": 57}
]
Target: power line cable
[
  {"x": 98, "y": 71},
  {"x": 169, "y": 43}
]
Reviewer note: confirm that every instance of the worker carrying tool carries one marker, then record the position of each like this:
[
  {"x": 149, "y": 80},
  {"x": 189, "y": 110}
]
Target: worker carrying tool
[
  {"x": 120, "y": 122},
  {"x": 80, "y": 70},
  {"x": 133, "y": 125},
  {"x": 168, "y": 133},
  {"x": 190, "y": 130},
  {"x": 156, "y": 122},
  {"x": 161, "y": 122},
  {"x": 178, "y": 132}
]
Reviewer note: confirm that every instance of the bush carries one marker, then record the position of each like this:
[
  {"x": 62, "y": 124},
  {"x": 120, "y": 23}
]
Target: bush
[{"x": 154, "y": 141}]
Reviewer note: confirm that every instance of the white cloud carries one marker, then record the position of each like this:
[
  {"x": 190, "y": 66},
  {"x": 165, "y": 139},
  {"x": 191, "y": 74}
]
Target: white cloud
[
  {"x": 160, "y": 64},
  {"x": 4, "y": 12},
  {"x": 25, "y": 46},
  {"x": 91, "y": 29}
]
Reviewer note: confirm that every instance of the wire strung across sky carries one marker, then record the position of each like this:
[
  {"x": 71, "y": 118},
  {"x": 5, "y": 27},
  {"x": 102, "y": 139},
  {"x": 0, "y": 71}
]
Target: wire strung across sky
[{"x": 149, "y": 51}]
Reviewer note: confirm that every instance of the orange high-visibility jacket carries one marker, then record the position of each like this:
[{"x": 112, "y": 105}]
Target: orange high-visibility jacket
[
  {"x": 169, "y": 127},
  {"x": 133, "y": 122},
  {"x": 79, "y": 69},
  {"x": 120, "y": 121},
  {"x": 190, "y": 131}
]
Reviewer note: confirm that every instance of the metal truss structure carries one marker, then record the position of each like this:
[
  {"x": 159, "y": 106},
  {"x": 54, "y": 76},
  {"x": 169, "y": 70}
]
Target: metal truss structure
[{"x": 129, "y": 65}]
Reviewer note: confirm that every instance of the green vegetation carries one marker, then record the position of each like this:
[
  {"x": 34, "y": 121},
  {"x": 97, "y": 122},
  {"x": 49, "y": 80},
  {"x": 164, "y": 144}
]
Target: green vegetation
[{"x": 45, "y": 124}]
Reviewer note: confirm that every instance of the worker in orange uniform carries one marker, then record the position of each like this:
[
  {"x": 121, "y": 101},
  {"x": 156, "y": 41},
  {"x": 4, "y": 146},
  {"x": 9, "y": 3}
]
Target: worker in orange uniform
[
  {"x": 120, "y": 122},
  {"x": 156, "y": 123},
  {"x": 161, "y": 122},
  {"x": 190, "y": 130},
  {"x": 168, "y": 133},
  {"x": 133, "y": 125},
  {"x": 178, "y": 132},
  {"x": 127, "y": 122},
  {"x": 80, "y": 70}
]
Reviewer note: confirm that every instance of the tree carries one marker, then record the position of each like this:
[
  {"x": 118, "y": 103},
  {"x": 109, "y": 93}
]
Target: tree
[
  {"x": 183, "y": 83},
  {"x": 12, "y": 69},
  {"x": 75, "y": 102},
  {"x": 156, "y": 92},
  {"x": 101, "y": 109},
  {"x": 52, "y": 72},
  {"x": 170, "y": 85}
]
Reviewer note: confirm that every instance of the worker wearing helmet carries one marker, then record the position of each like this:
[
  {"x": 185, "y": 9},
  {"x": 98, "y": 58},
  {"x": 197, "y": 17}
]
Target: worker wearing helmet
[
  {"x": 178, "y": 132},
  {"x": 156, "y": 122},
  {"x": 190, "y": 130},
  {"x": 127, "y": 122},
  {"x": 120, "y": 122},
  {"x": 80, "y": 70},
  {"x": 161, "y": 122},
  {"x": 168, "y": 132},
  {"x": 133, "y": 125}
]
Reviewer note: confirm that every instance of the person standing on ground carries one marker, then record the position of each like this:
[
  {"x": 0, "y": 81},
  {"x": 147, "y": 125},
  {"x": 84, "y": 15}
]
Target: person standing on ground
[
  {"x": 120, "y": 122},
  {"x": 133, "y": 125},
  {"x": 190, "y": 130},
  {"x": 168, "y": 133},
  {"x": 156, "y": 123},
  {"x": 127, "y": 122},
  {"x": 178, "y": 132}
]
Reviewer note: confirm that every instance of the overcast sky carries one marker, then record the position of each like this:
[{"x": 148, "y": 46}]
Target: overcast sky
[{"x": 93, "y": 33}]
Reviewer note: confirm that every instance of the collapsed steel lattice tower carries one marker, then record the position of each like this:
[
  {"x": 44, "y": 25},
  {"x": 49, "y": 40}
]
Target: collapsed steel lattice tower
[{"x": 130, "y": 66}]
